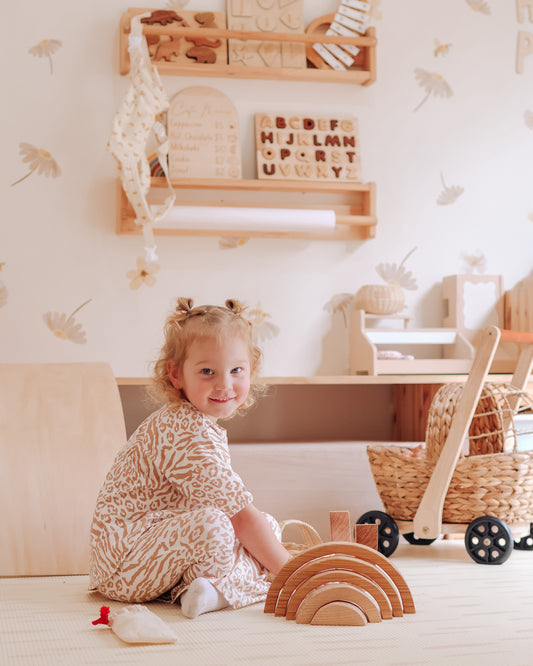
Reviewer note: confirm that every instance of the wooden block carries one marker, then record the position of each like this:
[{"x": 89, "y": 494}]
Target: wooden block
[
  {"x": 339, "y": 613},
  {"x": 367, "y": 535},
  {"x": 331, "y": 592},
  {"x": 339, "y": 526}
]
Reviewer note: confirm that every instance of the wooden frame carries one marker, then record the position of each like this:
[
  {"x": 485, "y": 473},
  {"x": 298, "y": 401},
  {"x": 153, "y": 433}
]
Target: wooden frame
[
  {"x": 364, "y": 76},
  {"x": 354, "y": 205}
]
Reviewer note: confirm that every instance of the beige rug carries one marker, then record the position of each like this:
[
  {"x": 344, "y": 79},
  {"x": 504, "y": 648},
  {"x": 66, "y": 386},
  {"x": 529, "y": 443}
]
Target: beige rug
[{"x": 466, "y": 614}]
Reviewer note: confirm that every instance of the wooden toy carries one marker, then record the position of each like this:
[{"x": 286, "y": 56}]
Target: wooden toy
[
  {"x": 179, "y": 49},
  {"x": 273, "y": 16},
  {"x": 440, "y": 490},
  {"x": 366, "y": 357},
  {"x": 351, "y": 18},
  {"x": 307, "y": 147},
  {"x": 203, "y": 134},
  {"x": 339, "y": 583}
]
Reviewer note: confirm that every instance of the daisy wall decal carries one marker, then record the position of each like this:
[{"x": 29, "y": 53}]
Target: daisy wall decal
[
  {"x": 263, "y": 329},
  {"x": 66, "y": 328},
  {"x": 40, "y": 160},
  {"x": 449, "y": 194},
  {"x": 342, "y": 303},
  {"x": 143, "y": 274},
  {"x": 45, "y": 49},
  {"x": 480, "y": 6},
  {"x": 433, "y": 84}
]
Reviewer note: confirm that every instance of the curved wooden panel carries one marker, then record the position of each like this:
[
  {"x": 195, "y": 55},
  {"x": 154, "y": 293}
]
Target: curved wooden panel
[
  {"x": 329, "y": 592},
  {"x": 339, "y": 613},
  {"x": 61, "y": 425},
  {"x": 339, "y": 576},
  {"x": 357, "y": 551}
]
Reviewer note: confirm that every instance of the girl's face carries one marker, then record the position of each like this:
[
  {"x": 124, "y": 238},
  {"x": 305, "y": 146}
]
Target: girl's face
[{"x": 215, "y": 376}]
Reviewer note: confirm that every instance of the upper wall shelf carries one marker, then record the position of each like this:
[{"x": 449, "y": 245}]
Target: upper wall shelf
[
  {"x": 354, "y": 205},
  {"x": 362, "y": 72}
]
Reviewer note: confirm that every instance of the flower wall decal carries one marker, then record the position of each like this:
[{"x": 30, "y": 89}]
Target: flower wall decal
[
  {"x": 66, "y": 328},
  {"x": 441, "y": 49},
  {"x": 475, "y": 262},
  {"x": 433, "y": 84},
  {"x": 45, "y": 49},
  {"x": 397, "y": 274},
  {"x": 449, "y": 194},
  {"x": 340, "y": 303},
  {"x": 480, "y": 6},
  {"x": 263, "y": 329},
  {"x": 143, "y": 274},
  {"x": 40, "y": 160},
  {"x": 528, "y": 119}
]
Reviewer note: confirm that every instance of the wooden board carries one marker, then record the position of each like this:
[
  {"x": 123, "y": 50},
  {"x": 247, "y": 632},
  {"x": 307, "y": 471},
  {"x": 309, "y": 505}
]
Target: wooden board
[
  {"x": 203, "y": 132},
  {"x": 61, "y": 426},
  {"x": 307, "y": 147},
  {"x": 266, "y": 16}
]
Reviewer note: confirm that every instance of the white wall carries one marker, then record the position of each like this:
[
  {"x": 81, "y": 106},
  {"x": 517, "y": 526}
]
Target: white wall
[{"x": 57, "y": 240}]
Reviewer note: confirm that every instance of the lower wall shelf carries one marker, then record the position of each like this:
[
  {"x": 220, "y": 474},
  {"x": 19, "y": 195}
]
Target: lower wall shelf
[{"x": 354, "y": 205}]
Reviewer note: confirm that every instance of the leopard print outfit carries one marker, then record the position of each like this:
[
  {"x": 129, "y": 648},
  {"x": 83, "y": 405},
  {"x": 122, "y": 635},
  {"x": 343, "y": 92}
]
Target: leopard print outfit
[{"x": 162, "y": 517}]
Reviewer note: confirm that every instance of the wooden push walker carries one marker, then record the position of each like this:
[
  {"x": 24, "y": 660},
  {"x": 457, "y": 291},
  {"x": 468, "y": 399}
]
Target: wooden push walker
[{"x": 485, "y": 493}]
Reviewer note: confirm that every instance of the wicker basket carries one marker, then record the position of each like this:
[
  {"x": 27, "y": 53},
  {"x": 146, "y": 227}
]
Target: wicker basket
[
  {"x": 486, "y": 432},
  {"x": 495, "y": 484}
]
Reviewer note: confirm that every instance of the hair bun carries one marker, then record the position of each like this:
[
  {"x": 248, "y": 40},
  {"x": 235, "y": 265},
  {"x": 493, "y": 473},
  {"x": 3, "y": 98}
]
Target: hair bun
[
  {"x": 235, "y": 306},
  {"x": 185, "y": 305}
]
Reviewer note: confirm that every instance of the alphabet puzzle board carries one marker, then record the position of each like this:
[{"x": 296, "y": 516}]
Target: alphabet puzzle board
[
  {"x": 307, "y": 147},
  {"x": 266, "y": 16},
  {"x": 203, "y": 133}
]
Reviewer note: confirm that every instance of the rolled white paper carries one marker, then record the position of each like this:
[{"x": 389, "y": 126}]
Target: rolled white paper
[{"x": 236, "y": 218}]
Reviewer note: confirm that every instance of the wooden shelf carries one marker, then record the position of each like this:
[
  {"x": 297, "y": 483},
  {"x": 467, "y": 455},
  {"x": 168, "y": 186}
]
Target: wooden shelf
[
  {"x": 350, "y": 380},
  {"x": 362, "y": 72},
  {"x": 354, "y": 205}
]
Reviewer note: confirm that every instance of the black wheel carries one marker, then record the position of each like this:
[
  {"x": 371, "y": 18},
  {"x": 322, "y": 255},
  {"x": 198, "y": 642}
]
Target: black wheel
[
  {"x": 388, "y": 533},
  {"x": 488, "y": 540},
  {"x": 415, "y": 541},
  {"x": 525, "y": 543}
]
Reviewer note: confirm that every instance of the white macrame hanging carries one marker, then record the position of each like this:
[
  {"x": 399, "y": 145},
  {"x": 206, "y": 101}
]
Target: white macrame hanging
[{"x": 137, "y": 116}]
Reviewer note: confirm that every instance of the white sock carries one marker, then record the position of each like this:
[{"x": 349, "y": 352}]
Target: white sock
[{"x": 201, "y": 597}]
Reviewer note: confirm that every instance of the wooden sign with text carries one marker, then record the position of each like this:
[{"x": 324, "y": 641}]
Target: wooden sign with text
[
  {"x": 203, "y": 133},
  {"x": 307, "y": 148}
]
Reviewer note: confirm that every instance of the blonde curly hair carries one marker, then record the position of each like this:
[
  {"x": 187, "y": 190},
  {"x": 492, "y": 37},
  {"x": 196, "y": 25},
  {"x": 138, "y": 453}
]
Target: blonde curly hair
[{"x": 187, "y": 323}]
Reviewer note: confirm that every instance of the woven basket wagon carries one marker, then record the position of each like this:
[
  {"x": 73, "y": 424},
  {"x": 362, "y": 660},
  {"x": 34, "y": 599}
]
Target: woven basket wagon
[{"x": 488, "y": 480}]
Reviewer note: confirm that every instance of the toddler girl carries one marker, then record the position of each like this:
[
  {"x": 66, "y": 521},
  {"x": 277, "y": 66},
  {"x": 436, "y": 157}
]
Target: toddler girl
[{"x": 172, "y": 515}]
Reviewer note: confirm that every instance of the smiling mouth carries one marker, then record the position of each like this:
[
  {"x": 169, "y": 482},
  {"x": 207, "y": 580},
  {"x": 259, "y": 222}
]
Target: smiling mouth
[{"x": 222, "y": 400}]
